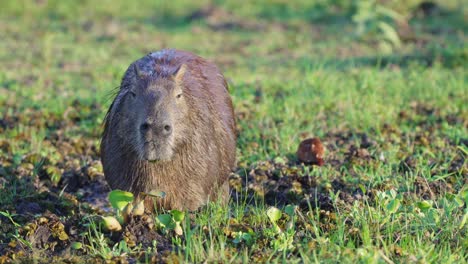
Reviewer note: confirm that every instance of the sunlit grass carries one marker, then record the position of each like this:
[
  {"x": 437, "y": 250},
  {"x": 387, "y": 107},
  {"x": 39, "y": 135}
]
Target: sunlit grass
[{"x": 301, "y": 73}]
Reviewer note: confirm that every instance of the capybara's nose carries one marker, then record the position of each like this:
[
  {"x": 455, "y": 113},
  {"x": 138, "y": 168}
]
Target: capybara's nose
[
  {"x": 145, "y": 127},
  {"x": 164, "y": 129},
  {"x": 167, "y": 129}
]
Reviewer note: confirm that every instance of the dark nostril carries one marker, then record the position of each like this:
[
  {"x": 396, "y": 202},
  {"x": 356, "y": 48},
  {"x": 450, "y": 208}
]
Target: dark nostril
[
  {"x": 144, "y": 127},
  {"x": 167, "y": 128}
]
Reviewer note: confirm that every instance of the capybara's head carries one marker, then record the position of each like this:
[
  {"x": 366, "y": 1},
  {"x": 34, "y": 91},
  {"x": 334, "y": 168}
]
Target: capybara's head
[{"x": 152, "y": 115}]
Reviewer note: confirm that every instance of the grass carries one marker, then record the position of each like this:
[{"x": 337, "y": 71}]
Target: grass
[{"x": 394, "y": 185}]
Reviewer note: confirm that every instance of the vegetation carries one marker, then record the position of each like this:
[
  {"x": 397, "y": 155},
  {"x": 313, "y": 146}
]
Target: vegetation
[{"x": 381, "y": 83}]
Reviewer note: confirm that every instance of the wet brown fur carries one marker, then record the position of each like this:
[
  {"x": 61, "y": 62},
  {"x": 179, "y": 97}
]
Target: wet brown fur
[{"x": 205, "y": 153}]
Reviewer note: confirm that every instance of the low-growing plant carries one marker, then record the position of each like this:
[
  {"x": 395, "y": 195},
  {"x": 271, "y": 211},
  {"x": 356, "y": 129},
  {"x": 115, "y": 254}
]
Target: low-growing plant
[
  {"x": 243, "y": 237},
  {"x": 274, "y": 214},
  {"x": 377, "y": 21},
  {"x": 119, "y": 199},
  {"x": 171, "y": 221}
]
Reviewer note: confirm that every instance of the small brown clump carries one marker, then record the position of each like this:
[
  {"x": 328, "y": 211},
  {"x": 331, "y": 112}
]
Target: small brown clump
[{"x": 311, "y": 151}]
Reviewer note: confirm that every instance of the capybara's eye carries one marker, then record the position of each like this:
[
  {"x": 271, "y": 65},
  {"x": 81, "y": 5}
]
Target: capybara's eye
[{"x": 179, "y": 95}]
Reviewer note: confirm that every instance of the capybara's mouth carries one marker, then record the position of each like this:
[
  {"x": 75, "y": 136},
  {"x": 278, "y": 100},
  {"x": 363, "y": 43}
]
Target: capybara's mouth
[
  {"x": 156, "y": 160},
  {"x": 155, "y": 153}
]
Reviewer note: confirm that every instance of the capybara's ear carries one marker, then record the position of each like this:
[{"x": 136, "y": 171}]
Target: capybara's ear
[
  {"x": 138, "y": 73},
  {"x": 179, "y": 73}
]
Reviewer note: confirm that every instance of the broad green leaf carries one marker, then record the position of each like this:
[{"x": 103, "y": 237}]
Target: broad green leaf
[
  {"x": 274, "y": 214},
  {"x": 119, "y": 199},
  {"x": 290, "y": 210},
  {"x": 393, "y": 206},
  {"x": 77, "y": 245},
  {"x": 424, "y": 205},
  {"x": 164, "y": 219},
  {"x": 241, "y": 236},
  {"x": 247, "y": 237},
  {"x": 177, "y": 215}
]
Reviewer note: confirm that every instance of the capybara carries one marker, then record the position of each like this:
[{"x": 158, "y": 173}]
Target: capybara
[{"x": 171, "y": 128}]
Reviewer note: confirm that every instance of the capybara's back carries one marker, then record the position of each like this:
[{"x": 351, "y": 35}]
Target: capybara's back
[{"x": 171, "y": 128}]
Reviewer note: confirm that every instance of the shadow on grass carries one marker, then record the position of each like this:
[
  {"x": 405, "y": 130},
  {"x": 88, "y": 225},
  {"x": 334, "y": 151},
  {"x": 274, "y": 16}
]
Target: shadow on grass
[{"x": 219, "y": 17}]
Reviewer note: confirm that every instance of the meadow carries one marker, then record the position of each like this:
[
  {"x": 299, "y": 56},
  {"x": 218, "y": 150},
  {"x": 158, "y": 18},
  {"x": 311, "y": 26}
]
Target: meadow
[{"x": 381, "y": 83}]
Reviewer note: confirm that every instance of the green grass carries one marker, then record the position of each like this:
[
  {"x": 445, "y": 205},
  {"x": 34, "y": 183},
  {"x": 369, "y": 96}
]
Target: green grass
[{"x": 394, "y": 184}]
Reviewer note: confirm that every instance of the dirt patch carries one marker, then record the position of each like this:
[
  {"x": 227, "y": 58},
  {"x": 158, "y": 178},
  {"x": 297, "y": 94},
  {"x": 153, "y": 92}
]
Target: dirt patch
[
  {"x": 430, "y": 190},
  {"x": 140, "y": 230},
  {"x": 281, "y": 182}
]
